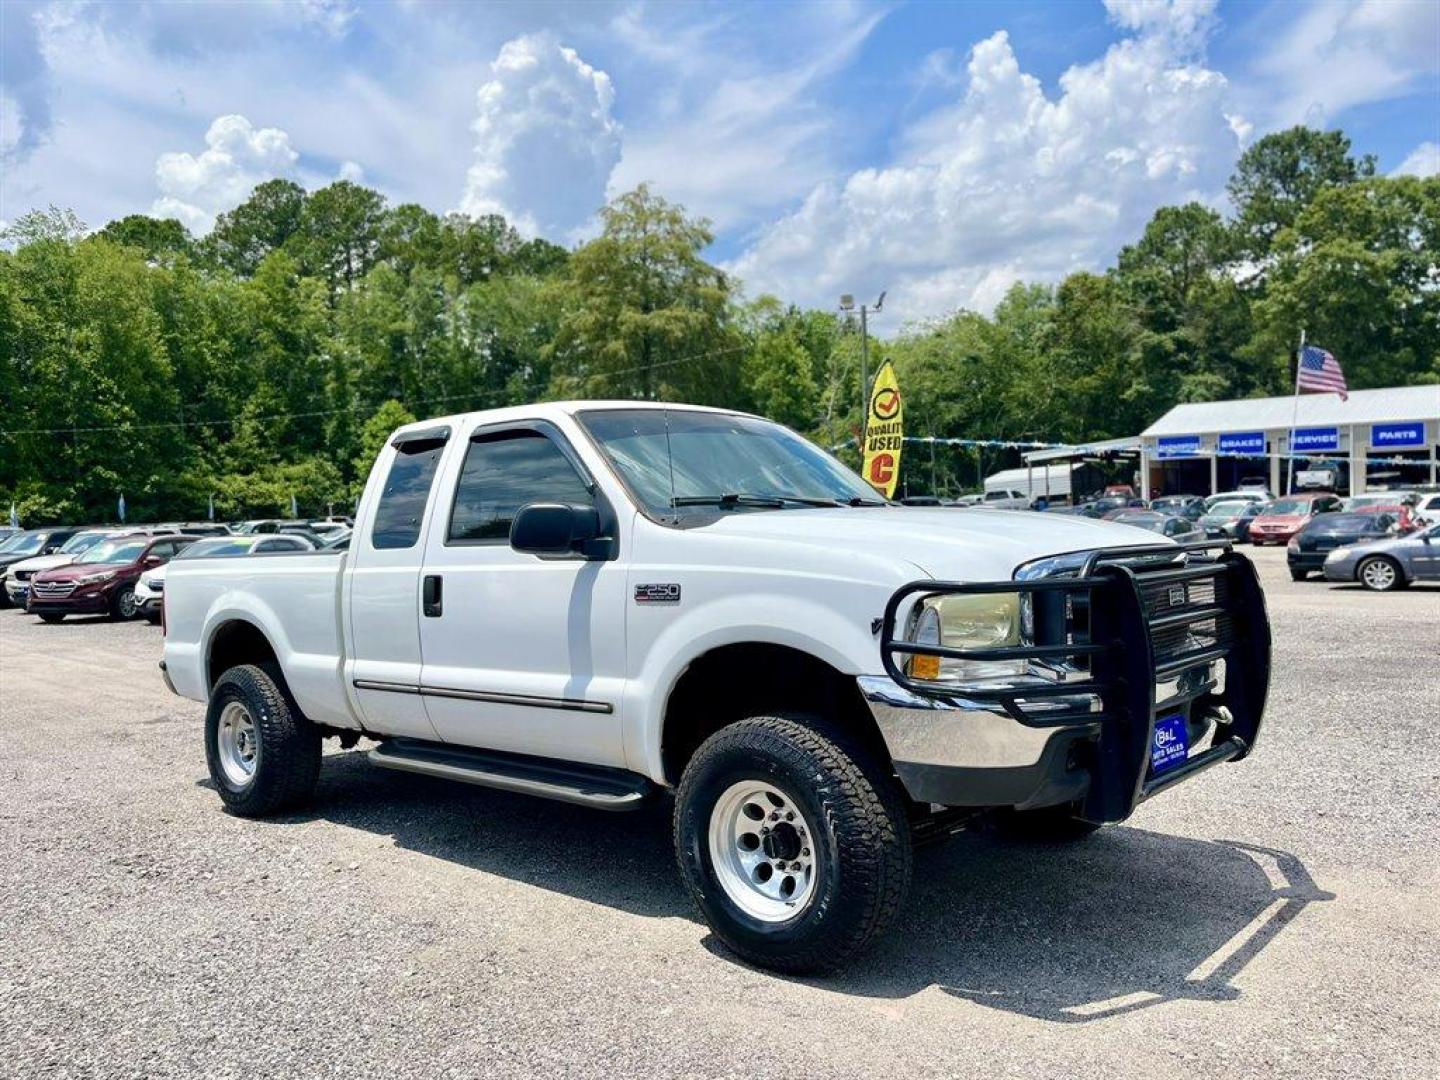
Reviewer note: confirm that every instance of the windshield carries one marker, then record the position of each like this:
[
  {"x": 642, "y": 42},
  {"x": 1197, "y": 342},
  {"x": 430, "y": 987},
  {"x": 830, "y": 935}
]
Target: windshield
[
  {"x": 707, "y": 457},
  {"x": 1289, "y": 506},
  {"x": 23, "y": 544},
  {"x": 81, "y": 542},
  {"x": 226, "y": 545},
  {"x": 1228, "y": 509},
  {"x": 116, "y": 551}
]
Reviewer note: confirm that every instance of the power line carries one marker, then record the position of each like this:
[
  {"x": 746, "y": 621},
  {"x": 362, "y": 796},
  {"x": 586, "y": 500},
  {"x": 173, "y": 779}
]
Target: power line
[{"x": 273, "y": 417}]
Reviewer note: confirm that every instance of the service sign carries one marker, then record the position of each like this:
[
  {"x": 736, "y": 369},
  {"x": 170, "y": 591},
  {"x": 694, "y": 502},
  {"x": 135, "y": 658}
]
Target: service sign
[
  {"x": 1243, "y": 442},
  {"x": 884, "y": 432},
  {"x": 1168, "y": 446},
  {"x": 1406, "y": 436},
  {"x": 1315, "y": 438}
]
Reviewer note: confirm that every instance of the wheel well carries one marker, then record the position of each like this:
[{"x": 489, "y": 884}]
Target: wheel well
[
  {"x": 736, "y": 681},
  {"x": 237, "y": 642}
]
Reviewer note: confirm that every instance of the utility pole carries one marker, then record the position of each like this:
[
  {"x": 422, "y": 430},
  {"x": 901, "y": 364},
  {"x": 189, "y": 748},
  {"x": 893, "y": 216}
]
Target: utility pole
[{"x": 847, "y": 305}]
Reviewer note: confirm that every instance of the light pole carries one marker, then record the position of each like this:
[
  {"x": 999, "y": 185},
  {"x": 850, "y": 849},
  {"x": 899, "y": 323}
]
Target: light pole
[{"x": 847, "y": 305}]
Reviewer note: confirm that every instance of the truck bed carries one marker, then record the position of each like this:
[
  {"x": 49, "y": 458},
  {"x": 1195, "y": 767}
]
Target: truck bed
[{"x": 295, "y": 595}]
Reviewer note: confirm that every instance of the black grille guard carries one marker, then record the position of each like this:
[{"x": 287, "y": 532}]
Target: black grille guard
[{"x": 1132, "y": 646}]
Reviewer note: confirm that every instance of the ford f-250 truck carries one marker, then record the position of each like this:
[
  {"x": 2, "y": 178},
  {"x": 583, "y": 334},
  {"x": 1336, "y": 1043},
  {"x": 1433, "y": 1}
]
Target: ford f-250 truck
[{"x": 600, "y": 602}]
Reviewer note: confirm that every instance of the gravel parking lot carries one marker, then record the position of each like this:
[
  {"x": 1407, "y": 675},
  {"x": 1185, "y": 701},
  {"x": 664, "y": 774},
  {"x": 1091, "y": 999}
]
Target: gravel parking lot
[{"x": 1276, "y": 918}]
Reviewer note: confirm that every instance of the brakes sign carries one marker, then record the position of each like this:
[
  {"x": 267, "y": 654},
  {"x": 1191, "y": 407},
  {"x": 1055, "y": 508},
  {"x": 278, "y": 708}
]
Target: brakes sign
[{"x": 884, "y": 432}]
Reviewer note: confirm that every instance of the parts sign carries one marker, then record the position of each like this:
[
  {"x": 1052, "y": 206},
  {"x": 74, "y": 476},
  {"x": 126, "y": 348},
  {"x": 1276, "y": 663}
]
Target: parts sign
[{"x": 884, "y": 432}]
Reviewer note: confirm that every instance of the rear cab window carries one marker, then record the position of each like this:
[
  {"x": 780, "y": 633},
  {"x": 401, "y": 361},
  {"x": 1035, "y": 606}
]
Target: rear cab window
[{"x": 400, "y": 511}]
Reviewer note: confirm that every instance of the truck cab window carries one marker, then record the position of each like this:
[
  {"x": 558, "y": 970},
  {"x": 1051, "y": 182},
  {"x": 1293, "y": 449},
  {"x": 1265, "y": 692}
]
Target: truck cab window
[
  {"x": 402, "y": 500},
  {"x": 502, "y": 473}
]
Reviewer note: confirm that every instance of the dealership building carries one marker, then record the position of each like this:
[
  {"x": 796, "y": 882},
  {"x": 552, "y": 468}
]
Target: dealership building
[
  {"x": 1377, "y": 438},
  {"x": 1384, "y": 437}
]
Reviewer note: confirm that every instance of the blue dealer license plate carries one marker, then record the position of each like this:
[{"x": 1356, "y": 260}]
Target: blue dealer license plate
[{"x": 1170, "y": 745}]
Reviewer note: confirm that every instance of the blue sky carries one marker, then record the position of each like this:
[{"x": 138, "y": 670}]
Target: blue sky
[{"x": 937, "y": 150}]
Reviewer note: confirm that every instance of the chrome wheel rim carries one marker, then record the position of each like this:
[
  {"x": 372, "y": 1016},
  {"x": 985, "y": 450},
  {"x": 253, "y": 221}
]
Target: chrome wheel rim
[
  {"x": 238, "y": 744},
  {"x": 1378, "y": 574},
  {"x": 127, "y": 604},
  {"x": 763, "y": 850}
]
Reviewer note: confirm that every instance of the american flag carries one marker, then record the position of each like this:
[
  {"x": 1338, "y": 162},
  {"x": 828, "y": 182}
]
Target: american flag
[{"x": 1321, "y": 371}]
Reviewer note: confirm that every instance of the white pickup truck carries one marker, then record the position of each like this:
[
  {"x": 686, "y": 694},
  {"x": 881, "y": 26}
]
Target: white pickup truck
[{"x": 602, "y": 602}]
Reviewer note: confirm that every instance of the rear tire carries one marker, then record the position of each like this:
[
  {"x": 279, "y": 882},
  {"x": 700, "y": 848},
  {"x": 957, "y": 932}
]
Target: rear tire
[
  {"x": 264, "y": 757},
  {"x": 1298, "y": 575},
  {"x": 1380, "y": 574},
  {"x": 834, "y": 863},
  {"x": 1046, "y": 825}
]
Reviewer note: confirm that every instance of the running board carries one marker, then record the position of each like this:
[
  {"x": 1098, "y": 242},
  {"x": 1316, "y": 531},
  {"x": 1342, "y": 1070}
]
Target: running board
[{"x": 585, "y": 785}]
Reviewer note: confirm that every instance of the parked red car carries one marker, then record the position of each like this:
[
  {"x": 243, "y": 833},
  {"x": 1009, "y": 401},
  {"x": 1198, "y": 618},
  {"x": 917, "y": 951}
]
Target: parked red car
[
  {"x": 104, "y": 584},
  {"x": 1286, "y": 516}
]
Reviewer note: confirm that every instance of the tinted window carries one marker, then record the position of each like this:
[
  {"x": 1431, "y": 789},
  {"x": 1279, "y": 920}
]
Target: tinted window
[
  {"x": 501, "y": 474},
  {"x": 402, "y": 500}
]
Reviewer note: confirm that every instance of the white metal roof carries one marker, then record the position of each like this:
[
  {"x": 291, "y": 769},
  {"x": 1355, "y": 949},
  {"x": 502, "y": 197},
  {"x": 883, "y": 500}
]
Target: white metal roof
[
  {"x": 1059, "y": 453},
  {"x": 1014, "y": 476},
  {"x": 1278, "y": 413}
]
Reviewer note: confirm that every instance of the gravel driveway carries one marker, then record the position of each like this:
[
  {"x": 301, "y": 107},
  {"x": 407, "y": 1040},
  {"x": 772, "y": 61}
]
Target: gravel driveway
[{"x": 1275, "y": 918}]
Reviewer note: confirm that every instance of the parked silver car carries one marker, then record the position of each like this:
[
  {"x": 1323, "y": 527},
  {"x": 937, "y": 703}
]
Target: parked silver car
[{"x": 1383, "y": 565}]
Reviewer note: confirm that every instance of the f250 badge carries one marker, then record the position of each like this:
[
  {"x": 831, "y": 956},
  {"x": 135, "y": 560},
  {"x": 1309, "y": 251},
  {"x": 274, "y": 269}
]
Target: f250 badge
[{"x": 657, "y": 594}]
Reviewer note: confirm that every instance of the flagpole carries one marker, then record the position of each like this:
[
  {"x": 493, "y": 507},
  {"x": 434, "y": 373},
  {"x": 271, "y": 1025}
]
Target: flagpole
[{"x": 1294, "y": 418}]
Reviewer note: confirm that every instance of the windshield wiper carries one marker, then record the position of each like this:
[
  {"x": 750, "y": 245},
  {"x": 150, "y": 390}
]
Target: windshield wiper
[
  {"x": 860, "y": 500},
  {"x": 733, "y": 498}
]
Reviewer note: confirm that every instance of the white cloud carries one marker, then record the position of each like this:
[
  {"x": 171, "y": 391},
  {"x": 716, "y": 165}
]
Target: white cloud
[
  {"x": 352, "y": 171},
  {"x": 1343, "y": 53},
  {"x": 546, "y": 141},
  {"x": 1424, "y": 160},
  {"x": 196, "y": 187},
  {"x": 1009, "y": 184},
  {"x": 737, "y": 136}
]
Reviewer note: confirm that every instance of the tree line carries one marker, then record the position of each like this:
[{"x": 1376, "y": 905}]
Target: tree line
[{"x": 271, "y": 357}]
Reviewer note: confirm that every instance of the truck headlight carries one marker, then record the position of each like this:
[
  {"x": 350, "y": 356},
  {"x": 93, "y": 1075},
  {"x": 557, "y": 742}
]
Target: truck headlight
[{"x": 960, "y": 621}]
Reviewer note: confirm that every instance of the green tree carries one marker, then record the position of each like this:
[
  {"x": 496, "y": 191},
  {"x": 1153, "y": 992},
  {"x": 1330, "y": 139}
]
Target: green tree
[
  {"x": 1281, "y": 174},
  {"x": 158, "y": 239},
  {"x": 389, "y": 416},
  {"x": 339, "y": 235},
  {"x": 648, "y": 317},
  {"x": 263, "y": 223}
]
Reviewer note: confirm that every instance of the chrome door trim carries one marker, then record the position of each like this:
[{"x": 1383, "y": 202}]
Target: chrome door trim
[{"x": 494, "y": 698}]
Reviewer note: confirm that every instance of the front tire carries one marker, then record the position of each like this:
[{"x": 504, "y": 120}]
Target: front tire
[
  {"x": 125, "y": 607},
  {"x": 1298, "y": 575},
  {"x": 51, "y": 617},
  {"x": 795, "y": 848},
  {"x": 264, "y": 757},
  {"x": 1380, "y": 574}
]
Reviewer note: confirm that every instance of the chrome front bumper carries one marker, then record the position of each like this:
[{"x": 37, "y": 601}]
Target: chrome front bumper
[{"x": 967, "y": 753}]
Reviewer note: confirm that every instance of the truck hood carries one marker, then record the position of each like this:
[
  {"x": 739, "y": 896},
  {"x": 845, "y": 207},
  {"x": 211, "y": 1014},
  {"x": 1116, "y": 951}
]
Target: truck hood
[{"x": 945, "y": 543}]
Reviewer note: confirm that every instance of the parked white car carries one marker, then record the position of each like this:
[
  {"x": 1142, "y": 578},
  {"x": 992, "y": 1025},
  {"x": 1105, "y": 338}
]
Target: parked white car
[
  {"x": 150, "y": 589},
  {"x": 601, "y": 602}
]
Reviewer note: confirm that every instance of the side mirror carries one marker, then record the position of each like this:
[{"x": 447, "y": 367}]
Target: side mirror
[
  {"x": 153, "y": 560},
  {"x": 557, "y": 529}
]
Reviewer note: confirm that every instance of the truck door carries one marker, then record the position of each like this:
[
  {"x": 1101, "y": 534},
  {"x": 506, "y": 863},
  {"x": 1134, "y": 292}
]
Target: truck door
[
  {"x": 522, "y": 653},
  {"x": 381, "y": 598}
]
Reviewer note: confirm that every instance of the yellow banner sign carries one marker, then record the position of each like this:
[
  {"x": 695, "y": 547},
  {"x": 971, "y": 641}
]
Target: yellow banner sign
[{"x": 884, "y": 428}]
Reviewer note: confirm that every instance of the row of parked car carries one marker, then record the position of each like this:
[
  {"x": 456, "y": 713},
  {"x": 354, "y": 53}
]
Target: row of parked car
[
  {"x": 119, "y": 571},
  {"x": 1383, "y": 540}
]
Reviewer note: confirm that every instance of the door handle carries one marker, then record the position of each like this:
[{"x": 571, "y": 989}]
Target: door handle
[{"x": 432, "y": 595}]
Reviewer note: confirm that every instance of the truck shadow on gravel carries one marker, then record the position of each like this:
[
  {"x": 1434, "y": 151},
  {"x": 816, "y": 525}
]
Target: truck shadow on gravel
[
  {"x": 1068, "y": 933},
  {"x": 1122, "y": 921}
]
